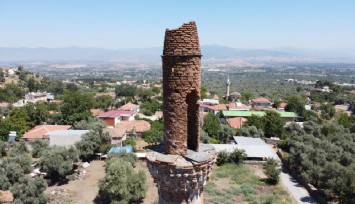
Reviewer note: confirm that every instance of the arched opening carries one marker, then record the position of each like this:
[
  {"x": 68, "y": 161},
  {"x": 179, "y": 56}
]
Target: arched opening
[{"x": 192, "y": 120}]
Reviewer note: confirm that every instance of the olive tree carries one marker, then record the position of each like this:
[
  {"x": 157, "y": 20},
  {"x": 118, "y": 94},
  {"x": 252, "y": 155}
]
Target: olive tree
[
  {"x": 58, "y": 162},
  {"x": 38, "y": 147},
  {"x": 29, "y": 191},
  {"x": 121, "y": 183}
]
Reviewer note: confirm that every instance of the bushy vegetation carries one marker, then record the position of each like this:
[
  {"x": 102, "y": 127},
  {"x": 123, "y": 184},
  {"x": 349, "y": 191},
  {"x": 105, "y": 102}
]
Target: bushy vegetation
[
  {"x": 235, "y": 183},
  {"x": 323, "y": 155},
  {"x": 155, "y": 134},
  {"x": 39, "y": 146},
  {"x": 121, "y": 183},
  {"x": 237, "y": 157},
  {"x": 272, "y": 171},
  {"x": 58, "y": 162},
  {"x": 92, "y": 141}
]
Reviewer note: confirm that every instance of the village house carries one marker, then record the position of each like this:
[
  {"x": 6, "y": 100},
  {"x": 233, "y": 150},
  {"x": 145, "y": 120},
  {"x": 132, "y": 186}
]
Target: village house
[
  {"x": 96, "y": 112},
  {"x": 255, "y": 148},
  {"x": 39, "y": 96},
  {"x": 65, "y": 138},
  {"x": 130, "y": 107},
  {"x": 288, "y": 116},
  {"x": 40, "y": 131},
  {"x": 260, "y": 102},
  {"x": 237, "y": 122},
  {"x": 281, "y": 106},
  {"x": 118, "y": 135},
  {"x": 114, "y": 117},
  {"x": 134, "y": 128},
  {"x": 324, "y": 89},
  {"x": 223, "y": 107}
]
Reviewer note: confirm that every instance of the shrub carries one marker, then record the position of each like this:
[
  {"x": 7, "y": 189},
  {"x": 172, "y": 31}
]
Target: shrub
[
  {"x": 237, "y": 156},
  {"x": 121, "y": 183},
  {"x": 223, "y": 158},
  {"x": 38, "y": 147},
  {"x": 272, "y": 171}
]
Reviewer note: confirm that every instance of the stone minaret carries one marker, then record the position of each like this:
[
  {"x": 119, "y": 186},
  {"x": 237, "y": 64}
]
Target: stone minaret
[
  {"x": 228, "y": 84},
  {"x": 181, "y": 89},
  {"x": 182, "y": 168}
]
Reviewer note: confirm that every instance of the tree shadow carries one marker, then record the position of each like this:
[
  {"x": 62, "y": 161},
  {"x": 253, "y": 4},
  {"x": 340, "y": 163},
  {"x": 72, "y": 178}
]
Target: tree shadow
[
  {"x": 102, "y": 198},
  {"x": 308, "y": 199}
]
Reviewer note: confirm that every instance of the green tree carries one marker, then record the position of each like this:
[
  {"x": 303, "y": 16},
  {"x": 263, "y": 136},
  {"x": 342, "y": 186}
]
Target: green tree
[
  {"x": 211, "y": 124},
  {"x": 4, "y": 181},
  {"x": 327, "y": 110},
  {"x": 103, "y": 102},
  {"x": 246, "y": 96},
  {"x": 130, "y": 141},
  {"x": 72, "y": 87},
  {"x": 19, "y": 121},
  {"x": 237, "y": 156},
  {"x": 76, "y": 106},
  {"x": 92, "y": 141},
  {"x": 257, "y": 121},
  {"x": 5, "y": 128},
  {"x": 32, "y": 85},
  {"x": 251, "y": 131},
  {"x": 272, "y": 170},
  {"x": 2, "y": 149},
  {"x": 38, "y": 147},
  {"x": 29, "y": 191},
  {"x": 121, "y": 183},
  {"x": 58, "y": 162},
  {"x": 274, "y": 126},
  {"x": 225, "y": 133},
  {"x": 126, "y": 90},
  {"x": 297, "y": 105},
  {"x": 88, "y": 146},
  {"x": 155, "y": 134}
]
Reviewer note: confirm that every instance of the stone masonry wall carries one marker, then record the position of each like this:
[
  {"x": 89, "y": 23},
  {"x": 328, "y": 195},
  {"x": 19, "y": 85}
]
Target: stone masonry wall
[{"x": 181, "y": 89}]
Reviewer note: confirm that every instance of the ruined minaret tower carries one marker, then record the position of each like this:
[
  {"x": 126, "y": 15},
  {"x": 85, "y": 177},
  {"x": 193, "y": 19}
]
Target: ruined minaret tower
[
  {"x": 182, "y": 168},
  {"x": 228, "y": 84},
  {"x": 181, "y": 89}
]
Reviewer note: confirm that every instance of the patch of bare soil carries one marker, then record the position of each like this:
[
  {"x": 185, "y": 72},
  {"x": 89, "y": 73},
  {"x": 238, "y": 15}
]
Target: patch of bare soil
[{"x": 84, "y": 190}]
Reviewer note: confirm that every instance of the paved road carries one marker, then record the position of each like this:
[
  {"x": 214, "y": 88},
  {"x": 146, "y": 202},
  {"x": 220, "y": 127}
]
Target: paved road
[{"x": 299, "y": 193}]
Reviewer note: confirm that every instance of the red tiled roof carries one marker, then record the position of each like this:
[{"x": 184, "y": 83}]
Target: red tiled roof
[
  {"x": 129, "y": 106},
  {"x": 222, "y": 107},
  {"x": 137, "y": 125},
  {"x": 4, "y": 105},
  {"x": 115, "y": 132},
  {"x": 6, "y": 197},
  {"x": 235, "y": 106},
  {"x": 159, "y": 114},
  {"x": 236, "y": 122},
  {"x": 218, "y": 107},
  {"x": 115, "y": 114},
  {"x": 96, "y": 112},
  {"x": 261, "y": 100},
  {"x": 40, "y": 131},
  {"x": 282, "y": 105}
]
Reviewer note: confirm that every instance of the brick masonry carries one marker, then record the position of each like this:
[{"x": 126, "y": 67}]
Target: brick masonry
[
  {"x": 184, "y": 168},
  {"x": 181, "y": 89}
]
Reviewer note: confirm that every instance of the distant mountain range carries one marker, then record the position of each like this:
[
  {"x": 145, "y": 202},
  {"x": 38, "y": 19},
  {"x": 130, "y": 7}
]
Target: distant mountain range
[{"x": 211, "y": 53}]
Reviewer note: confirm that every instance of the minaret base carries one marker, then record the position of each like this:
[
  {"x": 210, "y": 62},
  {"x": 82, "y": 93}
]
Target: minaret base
[{"x": 180, "y": 179}]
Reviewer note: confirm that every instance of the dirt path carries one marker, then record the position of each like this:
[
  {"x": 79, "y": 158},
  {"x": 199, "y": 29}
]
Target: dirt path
[
  {"x": 84, "y": 191},
  {"x": 152, "y": 192}
]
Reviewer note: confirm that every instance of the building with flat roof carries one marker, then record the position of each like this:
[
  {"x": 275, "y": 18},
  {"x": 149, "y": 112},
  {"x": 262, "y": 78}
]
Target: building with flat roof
[{"x": 65, "y": 138}]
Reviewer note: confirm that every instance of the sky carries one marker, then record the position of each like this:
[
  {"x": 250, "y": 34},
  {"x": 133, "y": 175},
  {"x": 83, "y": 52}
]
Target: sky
[{"x": 116, "y": 24}]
